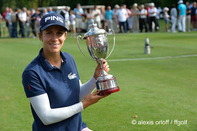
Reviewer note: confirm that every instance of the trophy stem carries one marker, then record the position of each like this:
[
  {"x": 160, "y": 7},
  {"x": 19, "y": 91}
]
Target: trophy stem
[{"x": 103, "y": 72}]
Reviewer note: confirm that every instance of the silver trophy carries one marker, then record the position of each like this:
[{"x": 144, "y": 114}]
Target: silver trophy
[{"x": 98, "y": 47}]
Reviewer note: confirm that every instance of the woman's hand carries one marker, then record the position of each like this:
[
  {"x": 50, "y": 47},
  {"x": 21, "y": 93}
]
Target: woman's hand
[
  {"x": 92, "y": 99},
  {"x": 98, "y": 69}
]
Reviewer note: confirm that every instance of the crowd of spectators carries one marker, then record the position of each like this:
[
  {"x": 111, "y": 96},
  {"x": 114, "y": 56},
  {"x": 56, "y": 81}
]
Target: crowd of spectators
[
  {"x": 26, "y": 20},
  {"x": 138, "y": 18}
]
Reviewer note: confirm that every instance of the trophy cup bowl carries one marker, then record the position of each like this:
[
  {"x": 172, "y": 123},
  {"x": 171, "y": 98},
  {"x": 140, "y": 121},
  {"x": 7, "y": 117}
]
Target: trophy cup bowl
[{"x": 98, "y": 48}]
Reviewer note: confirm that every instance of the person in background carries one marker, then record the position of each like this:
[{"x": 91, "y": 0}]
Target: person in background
[
  {"x": 33, "y": 22},
  {"x": 44, "y": 12},
  {"x": 38, "y": 18},
  {"x": 181, "y": 16},
  {"x": 65, "y": 14},
  {"x": 50, "y": 10},
  {"x": 196, "y": 15},
  {"x": 159, "y": 10},
  {"x": 166, "y": 18},
  {"x": 122, "y": 17},
  {"x": 14, "y": 19},
  {"x": 78, "y": 12},
  {"x": 103, "y": 19},
  {"x": 152, "y": 15},
  {"x": 72, "y": 23},
  {"x": 147, "y": 7},
  {"x": 8, "y": 18},
  {"x": 173, "y": 14},
  {"x": 0, "y": 23},
  {"x": 135, "y": 17},
  {"x": 188, "y": 16},
  {"x": 130, "y": 20},
  {"x": 28, "y": 27},
  {"x": 97, "y": 19},
  {"x": 193, "y": 16},
  {"x": 67, "y": 19},
  {"x": 90, "y": 17},
  {"x": 5, "y": 12},
  {"x": 22, "y": 17},
  {"x": 128, "y": 16},
  {"x": 143, "y": 15},
  {"x": 109, "y": 16},
  {"x": 4, "y": 15},
  {"x": 115, "y": 19}
]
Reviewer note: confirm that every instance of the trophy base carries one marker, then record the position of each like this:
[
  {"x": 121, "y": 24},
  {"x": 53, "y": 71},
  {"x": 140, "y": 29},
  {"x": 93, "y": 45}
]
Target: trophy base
[
  {"x": 107, "y": 85},
  {"x": 109, "y": 91}
]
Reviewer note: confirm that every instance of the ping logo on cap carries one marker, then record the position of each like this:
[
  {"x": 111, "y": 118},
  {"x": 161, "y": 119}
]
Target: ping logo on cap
[{"x": 54, "y": 18}]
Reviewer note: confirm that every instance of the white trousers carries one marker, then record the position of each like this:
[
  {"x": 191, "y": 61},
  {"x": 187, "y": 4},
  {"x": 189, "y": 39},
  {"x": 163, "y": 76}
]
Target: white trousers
[
  {"x": 109, "y": 24},
  {"x": 181, "y": 23},
  {"x": 174, "y": 19}
]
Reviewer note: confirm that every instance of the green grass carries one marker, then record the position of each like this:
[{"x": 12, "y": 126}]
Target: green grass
[{"x": 154, "y": 89}]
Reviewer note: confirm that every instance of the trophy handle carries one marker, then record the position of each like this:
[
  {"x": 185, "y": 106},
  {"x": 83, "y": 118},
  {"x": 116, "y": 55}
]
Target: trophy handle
[
  {"x": 110, "y": 30},
  {"x": 79, "y": 37}
]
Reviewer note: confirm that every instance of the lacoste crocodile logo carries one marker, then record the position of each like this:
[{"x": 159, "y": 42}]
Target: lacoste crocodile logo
[{"x": 71, "y": 76}]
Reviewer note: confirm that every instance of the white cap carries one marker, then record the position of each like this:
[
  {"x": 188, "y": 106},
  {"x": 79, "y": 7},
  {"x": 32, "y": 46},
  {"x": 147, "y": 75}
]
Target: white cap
[
  {"x": 142, "y": 6},
  {"x": 135, "y": 4},
  {"x": 117, "y": 6},
  {"x": 166, "y": 9},
  {"x": 151, "y": 4},
  {"x": 68, "y": 7},
  {"x": 180, "y": 2}
]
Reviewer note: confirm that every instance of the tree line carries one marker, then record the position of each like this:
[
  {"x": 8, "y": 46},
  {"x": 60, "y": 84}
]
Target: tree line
[{"x": 72, "y": 3}]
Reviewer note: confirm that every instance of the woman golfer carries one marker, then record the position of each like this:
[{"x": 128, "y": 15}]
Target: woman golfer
[{"x": 52, "y": 84}]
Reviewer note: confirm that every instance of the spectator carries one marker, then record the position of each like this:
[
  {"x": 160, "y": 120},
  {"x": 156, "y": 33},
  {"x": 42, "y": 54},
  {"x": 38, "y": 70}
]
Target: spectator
[
  {"x": 143, "y": 15},
  {"x": 72, "y": 23},
  {"x": 33, "y": 22},
  {"x": 0, "y": 23},
  {"x": 181, "y": 16},
  {"x": 115, "y": 19},
  {"x": 152, "y": 13},
  {"x": 96, "y": 12},
  {"x": 22, "y": 17},
  {"x": 109, "y": 15},
  {"x": 147, "y": 7},
  {"x": 130, "y": 20},
  {"x": 166, "y": 17},
  {"x": 188, "y": 16},
  {"x": 122, "y": 17},
  {"x": 193, "y": 16},
  {"x": 90, "y": 17},
  {"x": 159, "y": 10},
  {"x": 135, "y": 17},
  {"x": 38, "y": 18},
  {"x": 4, "y": 15},
  {"x": 8, "y": 19},
  {"x": 65, "y": 14},
  {"x": 102, "y": 16},
  {"x": 78, "y": 12},
  {"x": 67, "y": 19},
  {"x": 14, "y": 19},
  {"x": 28, "y": 23},
  {"x": 196, "y": 16},
  {"x": 173, "y": 14},
  {"x": 44, "y": 12},
  {"x": 50, "y": 10},
  {"x": 128, "y": 16}
]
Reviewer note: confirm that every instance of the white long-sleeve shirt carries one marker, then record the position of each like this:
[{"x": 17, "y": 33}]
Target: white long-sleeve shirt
[{"x": 49, "y": 116}]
